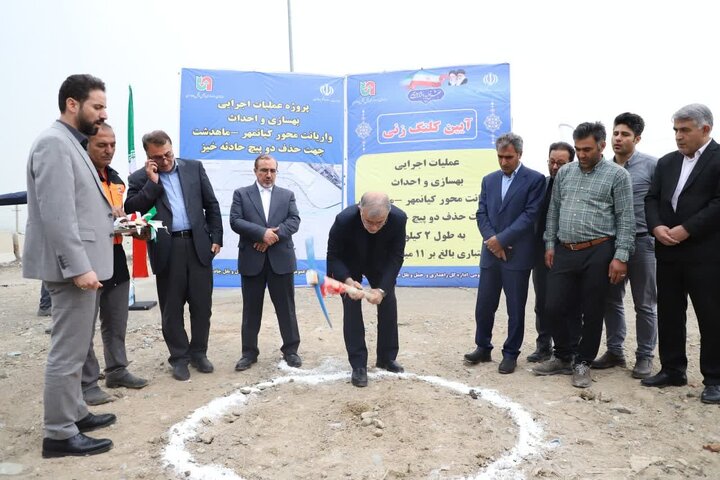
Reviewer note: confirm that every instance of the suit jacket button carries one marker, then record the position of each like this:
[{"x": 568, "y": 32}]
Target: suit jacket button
[
  {"x": 110, "y": 215},
  {"x": 112, "y": 235}
]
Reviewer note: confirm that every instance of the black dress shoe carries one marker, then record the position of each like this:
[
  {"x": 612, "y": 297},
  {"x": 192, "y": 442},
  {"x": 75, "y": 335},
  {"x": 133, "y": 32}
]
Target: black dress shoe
[
  {"x": 124, "y": 379},
  {"x": 539, "y": 356},
  {"x": 478, "y": 355},
  {"x": 181, "y": 372},
  {"x": 77, "y": 446},
  {"x": 359, "y": 377},
  {"x": 664, "y": 379},
  {"x": 391, "y": 366},
  {"x": 711, "y": 394},
  {"x": 507, "y": 365},
  {"x": 608, "y": 360},
  {"x": 93, "y": 422},
  {"x": 244, "y": 363},
  {"x": 293, "y": 360},
  {"x": 202, "y": 364}
]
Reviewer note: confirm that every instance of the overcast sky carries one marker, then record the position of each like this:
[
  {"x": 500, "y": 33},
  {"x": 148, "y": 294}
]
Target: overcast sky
[{"x": 570, "y": 61}]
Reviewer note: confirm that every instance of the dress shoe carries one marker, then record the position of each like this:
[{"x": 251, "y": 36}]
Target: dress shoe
[
  {"x": 608, "y": 360},
  {"x": 539, "y": 356},
  {"x": 124, "y": 379},
  {"x": 359, "y": 377},
  {"x": 93, "y": 422},
  {"x": 181, "y": 372},
  {"x": 711, "y": 394},
  {"x": 642, "y": 368},
  {"x": 77, "y": 446},
  {"x": 293, "y": 360},
  {"x": 664, "y": 379},
  {"x": 202, "y": 364},
  {"x": 44, "y": 312},
  {"x": 391, "y": 366},
  {"x": 507, "y": 365},
  {"x": 96, "y": 396},
  {"x": 478, "y": 355},
  {"x": 244, "y": 363}
]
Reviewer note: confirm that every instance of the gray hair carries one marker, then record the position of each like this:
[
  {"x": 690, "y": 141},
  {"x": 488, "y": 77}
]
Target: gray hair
[
  {"x": 375, "y": 204},
  {"x": 697, "y": 112},
  {"x": 509, "y": 139}
]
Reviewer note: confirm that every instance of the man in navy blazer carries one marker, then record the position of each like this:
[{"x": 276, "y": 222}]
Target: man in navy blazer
[
  {"x": 181, "y": 257},
  {"x": 682, "y": 209},
  {"x": 266, "y": 217},
  {"x": 510, "y": 200}
]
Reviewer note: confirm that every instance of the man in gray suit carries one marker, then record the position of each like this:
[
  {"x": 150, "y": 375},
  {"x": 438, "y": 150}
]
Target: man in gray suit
[
  {"x": 265, "y": 216},
  {"x": 181, "y": 257},
  {"x": 68, "y": 245}
]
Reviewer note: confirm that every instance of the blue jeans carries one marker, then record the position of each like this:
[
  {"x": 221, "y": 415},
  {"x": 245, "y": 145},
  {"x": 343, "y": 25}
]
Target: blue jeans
[
  {"x": 641, "y": 275},
  {"x": 45, "y": 301}
]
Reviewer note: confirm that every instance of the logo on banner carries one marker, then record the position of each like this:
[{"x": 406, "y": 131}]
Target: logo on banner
[
  {"x": 427, "y": 95},
  {"x": 367, "y": 88},
  {"x": 203, "y": 83},
  {"x": 326, "y": 90},
  {"x": 490, "y": 79},
  {"x": 423, "y": 79}
]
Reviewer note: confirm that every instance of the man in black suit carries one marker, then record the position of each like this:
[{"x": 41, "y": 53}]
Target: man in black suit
[
  {"x": 369, "y": 239},
  {"x": 266, "y": 217},
  {"x": 683, "y": 214},
  {"x": 181, "y": 258}
]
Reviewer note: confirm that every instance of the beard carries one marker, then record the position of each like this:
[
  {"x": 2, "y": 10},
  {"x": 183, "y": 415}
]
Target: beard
[{"x": 85, "y": 126}]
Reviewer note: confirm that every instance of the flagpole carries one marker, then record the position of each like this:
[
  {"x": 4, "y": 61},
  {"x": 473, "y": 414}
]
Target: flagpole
[
  {"x": 139, "y": 247},
  {"x": 290, "y": 37}
]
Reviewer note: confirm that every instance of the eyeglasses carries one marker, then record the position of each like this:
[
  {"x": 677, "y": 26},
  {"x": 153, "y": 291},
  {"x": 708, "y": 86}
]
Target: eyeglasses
[
  {"x": 166, "y": 156},
  {"x": 268, "y": 170}
]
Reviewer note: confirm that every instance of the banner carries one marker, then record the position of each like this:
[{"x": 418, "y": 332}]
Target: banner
[
  {"x": 426, "y": 137},
  {"x": 228, "y": 118}
]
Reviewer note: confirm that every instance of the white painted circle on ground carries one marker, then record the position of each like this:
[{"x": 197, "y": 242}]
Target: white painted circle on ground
[{"x": 507, "y": 467}]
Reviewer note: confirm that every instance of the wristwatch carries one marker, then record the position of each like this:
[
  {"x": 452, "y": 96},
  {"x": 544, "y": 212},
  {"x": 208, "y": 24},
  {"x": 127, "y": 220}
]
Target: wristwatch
[{"x": 382, "y": 292}]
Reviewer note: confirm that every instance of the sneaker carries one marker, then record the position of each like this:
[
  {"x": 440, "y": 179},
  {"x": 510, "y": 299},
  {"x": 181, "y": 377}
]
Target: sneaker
[
  {"x": 581, "y": 375},
  {"x": 609, "y": 360},
  {"x": 554, "y": 366},
  {"x": 642, "y": 368}
]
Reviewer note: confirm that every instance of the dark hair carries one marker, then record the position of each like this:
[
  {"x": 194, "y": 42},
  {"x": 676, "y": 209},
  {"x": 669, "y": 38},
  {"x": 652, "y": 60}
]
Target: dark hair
[
  {"x": 78, "y": 87},
  {"x": 633, "y": 121},
  {"x": 264, "y": 156},
  {"x": 590, "y": 129},
  {"x": 157, "y": 138},
  {"x": 563, "y": 146}
]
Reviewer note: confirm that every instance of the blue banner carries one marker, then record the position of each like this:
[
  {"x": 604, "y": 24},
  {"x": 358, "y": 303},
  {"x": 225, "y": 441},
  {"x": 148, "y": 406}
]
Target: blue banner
[
  {"x": 427, "y": 138},
  {"x": 228, "y": 118}
]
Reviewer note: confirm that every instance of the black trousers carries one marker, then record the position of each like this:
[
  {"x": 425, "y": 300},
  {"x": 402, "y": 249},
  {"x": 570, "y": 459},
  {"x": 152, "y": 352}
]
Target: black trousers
[
  {"x": 354, "y": 330},
  {"x": 578, "y": 281},
  {"x": 185, "y": 280},
  {"x": 675, "y": 281},
  {"x": 282, "y": 294}
]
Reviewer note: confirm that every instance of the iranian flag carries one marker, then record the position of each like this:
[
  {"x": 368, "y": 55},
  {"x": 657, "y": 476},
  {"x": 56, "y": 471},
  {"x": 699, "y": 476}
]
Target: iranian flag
[
  {"x": 423, "y": 79},
  {"x": 139, "y": 247}
]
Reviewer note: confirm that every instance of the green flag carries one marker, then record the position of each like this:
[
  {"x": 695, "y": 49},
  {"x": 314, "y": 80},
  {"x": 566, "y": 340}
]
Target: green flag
[{"x": 131, "y": 133}]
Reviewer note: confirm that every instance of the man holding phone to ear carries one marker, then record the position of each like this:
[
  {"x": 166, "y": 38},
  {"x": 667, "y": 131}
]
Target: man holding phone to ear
[{"x": 181, "y": 257}]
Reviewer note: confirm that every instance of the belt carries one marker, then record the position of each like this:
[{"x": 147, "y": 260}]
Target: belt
[
  {"x": 182, "y": 234},
  {"x": 642, "y": 234},
  {"x": 588, "y": 244}
]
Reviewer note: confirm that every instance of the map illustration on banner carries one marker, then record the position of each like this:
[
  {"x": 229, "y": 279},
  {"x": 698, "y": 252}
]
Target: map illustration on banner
[
  {"x": 427, "y": 138},
  {"x": 228, "y": 118}
]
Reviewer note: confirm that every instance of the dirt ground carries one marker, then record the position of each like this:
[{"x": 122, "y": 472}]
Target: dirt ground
[{"x": 436, "y": 422}]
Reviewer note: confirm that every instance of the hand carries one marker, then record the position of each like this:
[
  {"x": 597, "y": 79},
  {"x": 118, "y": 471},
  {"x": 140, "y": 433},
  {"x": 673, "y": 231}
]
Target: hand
[
  {"x": 87, "y": 281},
  {"x": 118, "y": 212},
  {"x": 501, "y": 255},
  {"x": 493, "y": 245},
  {"x": 215, "y": 248},
  {"x": 358, "y": 293},
  {"x": 679, "y": 233},
  {"x": 151, "y": 170},
  {"x": 662, "y": 235},
  {"x": 617, "y": 271},
  {"x": 271, "y": 237},
  {"x": 549, "y": 258},
  {"x": 260, "y": 247},
  {"x": 374, "y": 296}
]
